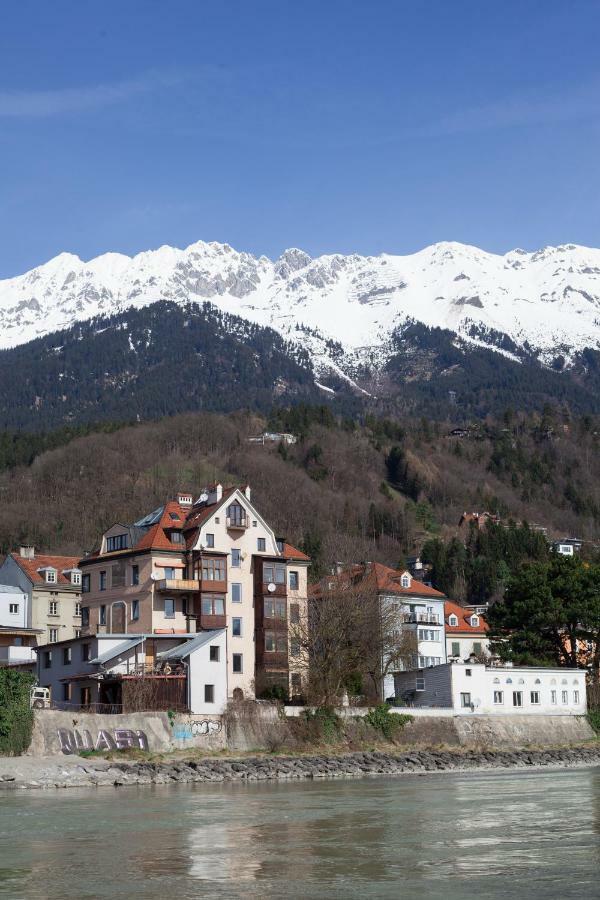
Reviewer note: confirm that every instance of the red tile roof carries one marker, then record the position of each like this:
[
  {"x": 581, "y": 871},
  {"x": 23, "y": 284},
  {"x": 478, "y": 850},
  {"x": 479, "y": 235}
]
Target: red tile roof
[
  {"x": 290, "y": 552},
  {"x": 464, "y": 620},
  {"x": 383, "y": 578},
  {"x": 41, "y": 561}
]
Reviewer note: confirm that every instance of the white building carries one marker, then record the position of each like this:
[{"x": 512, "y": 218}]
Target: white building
[
  {"x": 474, "y": 688},
  {"x": 466, "y": 632},
  {"x": 121, "y": 670}
]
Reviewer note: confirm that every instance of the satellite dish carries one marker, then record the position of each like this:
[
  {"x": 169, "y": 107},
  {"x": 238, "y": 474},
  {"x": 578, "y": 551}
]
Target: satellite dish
[
  {"x": 271, "y": 587},
  {"x": 156, "y": 577}
]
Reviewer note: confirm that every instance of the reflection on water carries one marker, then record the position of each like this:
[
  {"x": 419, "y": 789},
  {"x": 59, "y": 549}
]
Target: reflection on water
[{"x": 496, "y": 835}]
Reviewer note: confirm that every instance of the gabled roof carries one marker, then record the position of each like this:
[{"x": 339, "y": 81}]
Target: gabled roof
[
  {"x": 379, "y": 577},
  {"x": 290, "y": 552},
  {"x": 41, "y": 561},
  {"x": 187, "y": 647},
  {"x": 464, "y": 620}
]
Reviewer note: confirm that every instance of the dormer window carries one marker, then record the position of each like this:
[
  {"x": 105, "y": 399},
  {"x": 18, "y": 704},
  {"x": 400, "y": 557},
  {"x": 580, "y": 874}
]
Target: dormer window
[
  {"x": 453, "y": 621},
  {"x": 76, "y": 578},
  {"x": 474, "y": 621},
  {"x": 405, "y": 580},
  {"x": 51, "y": 576},
  {"x": 117, "y": 542}
]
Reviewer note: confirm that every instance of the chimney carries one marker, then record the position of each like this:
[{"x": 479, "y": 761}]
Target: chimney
[
  {"x": 215, "y": 493},
  {"x": 184, "y": 498},
  {"x": 247, "y": 492},
  {"x": 27, "y": 552}
]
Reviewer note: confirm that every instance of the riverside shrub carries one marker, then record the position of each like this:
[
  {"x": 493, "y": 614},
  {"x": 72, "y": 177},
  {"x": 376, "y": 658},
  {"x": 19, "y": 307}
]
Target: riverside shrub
[
  {"x": 385, "y": 721},
  {"x": 16, "y": 715}
]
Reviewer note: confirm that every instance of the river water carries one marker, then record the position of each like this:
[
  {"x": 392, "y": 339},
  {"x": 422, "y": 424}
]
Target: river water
[{"x": 493, "y": 835}]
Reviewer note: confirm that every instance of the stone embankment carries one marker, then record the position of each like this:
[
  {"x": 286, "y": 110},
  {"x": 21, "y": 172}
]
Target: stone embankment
[{"x": 80, "y": 772}]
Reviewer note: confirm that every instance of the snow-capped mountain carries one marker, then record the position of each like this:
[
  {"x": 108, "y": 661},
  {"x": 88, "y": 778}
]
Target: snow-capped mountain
[{"x": 547, "y": 302}]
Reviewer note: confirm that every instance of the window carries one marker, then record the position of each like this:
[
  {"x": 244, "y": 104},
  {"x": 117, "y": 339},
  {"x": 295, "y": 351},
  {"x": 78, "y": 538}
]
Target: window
[
  {"x": 426, "y": 661},
  {"x": 275, "y": 642},
  {"x": 77, "y": 609},
  {"x": 75, "y": 577},
  {"x": 261, "y": 545},
  {"x": 296, "y": 681},
  {"x": 47, "y": 659},
  {"x": 465, "y": 700},
  {"x": 474, "y": 621},
  {"x": 254, "y": 523},
  {"x": 236, "y": 514},
  {"x": 102, "y": 616},
  {"x": 213, "y": 606},
  {"x": 52, "y": 635},
  {"x": 176, "y": 537},
  {"x": 13, "y": 608},
  {"x": 85, "y": 584},
  {"x": 210, "y": 540},
  {"x": 51, "y": 576},
  {"x": 455, "y": 648},
  {"x": 428, "y": 634},
  {"x": 85, "y": 696},
  {"x": 294, "y": 613},
  {"x": 279, "y": 544},
  {"x": 405, "y": 580},
  {"x": 535, "y": 697},
  {"x": 209, "y": 693},
  {"x": 575, "y": 697},
  {"x": 85, "y": 652},
  {"x": 468, "y": 672},
  {"x": 498, "y": 697},
  {"x": 275, "y": 609},
  {"x": 477, "y": 649},
  {"x": 215, "y": 652},
  {"x": 236, "y": 627},
  {"x": 236, "y": 592},
  {"x": 169, "y": 608},
  {"x": 274, "y": 574},
  {"x": 18, "y": 642},
  {"x": 237, "y": 663},
  {"x": 294, "y": 581},
  {"x": 169, "y": 572},
  {"x": 77, "y": 632},
  {"x": 564, "y": 697},
  {"x": 517, "y": 698},
  {"x": 53, "y": 608},
  {"x": 135, "y": 575},
  {"x": 66, "y": 656},
  {"x": 236, "y": 558},
  {"x": 85, "y": 616},
  {"x": 294, "y": 647},
  {"x": 453, "y": 621},
  {"x": 213, "y": 569},
  {"x": 66, "y": 691},
  {"x": 117, "y": 542},
  {"x": 135, "y": 609},
  {"x": 553, "y": 698},
  {"x": 102, "y": 581},
  {"x": 419, "y": 683}
]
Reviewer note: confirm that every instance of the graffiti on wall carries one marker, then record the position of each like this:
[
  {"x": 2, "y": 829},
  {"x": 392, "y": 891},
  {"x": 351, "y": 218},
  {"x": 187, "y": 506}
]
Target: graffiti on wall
[
  {"x": 186, "y": 731},
  {"x": 73, "y": 741}
]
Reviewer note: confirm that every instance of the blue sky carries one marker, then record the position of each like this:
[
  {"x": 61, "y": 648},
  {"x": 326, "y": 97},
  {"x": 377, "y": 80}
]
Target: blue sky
[{"x": 338, "y": 125}]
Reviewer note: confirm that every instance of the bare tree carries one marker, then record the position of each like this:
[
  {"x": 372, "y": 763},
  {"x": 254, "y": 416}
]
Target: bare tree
[{"x": 351, "y": 630}]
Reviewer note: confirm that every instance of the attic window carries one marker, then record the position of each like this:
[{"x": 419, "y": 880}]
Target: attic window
[
  {"x": 453, "y": 621},
  {"x": 405, "y": 580},
  {"x": 117, "y": 542},
  {"x": 176, "y": 537},
  {"x": 474, "y": 621},
  {"x": 174, "y": 516},
  {"x": 51, "y": 576},
  {"x": 75, "y": 577}
]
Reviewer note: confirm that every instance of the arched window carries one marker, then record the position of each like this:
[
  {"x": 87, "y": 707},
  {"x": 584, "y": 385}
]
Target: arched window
[
  {"x": 564, "y": 681},
  {"x": 405, "y": 580},
  {"x": 496, "y": 681},
  {"x": 236, "y": 514},
  {"x": 509, "y": 680},
  {"x": 521, "y": 681},
  {"x": 538, "y": 681},
  {"x": 453, "y": 621},
  {"x": 575, "y": 681},
  {"x": 553, "y": 681}
]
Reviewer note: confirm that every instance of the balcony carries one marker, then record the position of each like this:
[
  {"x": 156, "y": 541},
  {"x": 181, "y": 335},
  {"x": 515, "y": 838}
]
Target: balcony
[
  {"x": 178, "y": 584},
  {"x": 236, "y": 523},
  {"x": 277, "y": 590},
  {"x": 421, "y": 619},
  {"x": 209, "y": 622},
  {"x": 14, "y": 654}
]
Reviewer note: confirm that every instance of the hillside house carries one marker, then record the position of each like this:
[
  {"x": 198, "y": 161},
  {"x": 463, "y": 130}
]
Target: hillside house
[{"x": 466, "y": 632}]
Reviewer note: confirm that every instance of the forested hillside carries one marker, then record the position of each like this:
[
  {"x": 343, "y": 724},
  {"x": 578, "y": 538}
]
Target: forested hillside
[{"x": 374, "y": 490}]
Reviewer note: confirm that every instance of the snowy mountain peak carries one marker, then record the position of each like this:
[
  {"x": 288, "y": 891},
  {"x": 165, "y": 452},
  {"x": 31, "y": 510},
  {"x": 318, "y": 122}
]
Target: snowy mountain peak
[{"x": 546, "y": 300}]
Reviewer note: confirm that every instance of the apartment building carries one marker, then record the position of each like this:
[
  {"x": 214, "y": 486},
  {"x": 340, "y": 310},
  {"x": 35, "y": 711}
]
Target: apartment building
[
  {"x": 202, "y": 564},
  {"x": 47, "y": 594}
]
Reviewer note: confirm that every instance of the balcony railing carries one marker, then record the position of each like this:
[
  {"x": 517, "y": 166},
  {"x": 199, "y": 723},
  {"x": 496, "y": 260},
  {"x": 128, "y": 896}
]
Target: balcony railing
[
  {"x": 278, "y": 590},
  {"x": 422, "y": 618},
  {"x": 237, "y": 522},
  {"x": 16, "y": 654},
  {"x": 178, "y": 584}
]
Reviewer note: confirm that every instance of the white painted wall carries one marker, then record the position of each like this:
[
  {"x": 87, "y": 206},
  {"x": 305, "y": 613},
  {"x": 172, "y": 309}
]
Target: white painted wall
[
  {"x": 202, "y": 671},
  {"x": 9, "y": 595},
  {"x": 466, "y": 644}
]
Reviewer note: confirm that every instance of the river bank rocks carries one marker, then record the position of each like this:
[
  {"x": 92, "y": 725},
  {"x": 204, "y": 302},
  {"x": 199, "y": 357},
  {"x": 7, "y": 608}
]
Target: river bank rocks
[{"x": 78, "y": 772}]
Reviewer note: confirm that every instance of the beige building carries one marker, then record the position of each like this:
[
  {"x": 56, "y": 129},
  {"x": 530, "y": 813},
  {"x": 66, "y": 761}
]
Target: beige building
[
  {"x": 51, "y": 591},
  {"x": 202, "y": 564}
]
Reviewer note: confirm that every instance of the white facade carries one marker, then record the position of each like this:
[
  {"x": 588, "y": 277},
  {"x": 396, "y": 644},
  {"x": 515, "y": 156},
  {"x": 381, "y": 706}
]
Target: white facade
[
  {"x": 425, "y": 618},
  {"x": 471, "y": 689},
  {"x": 14, "y": 607},
  {"x": 467, "y": 645}
]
